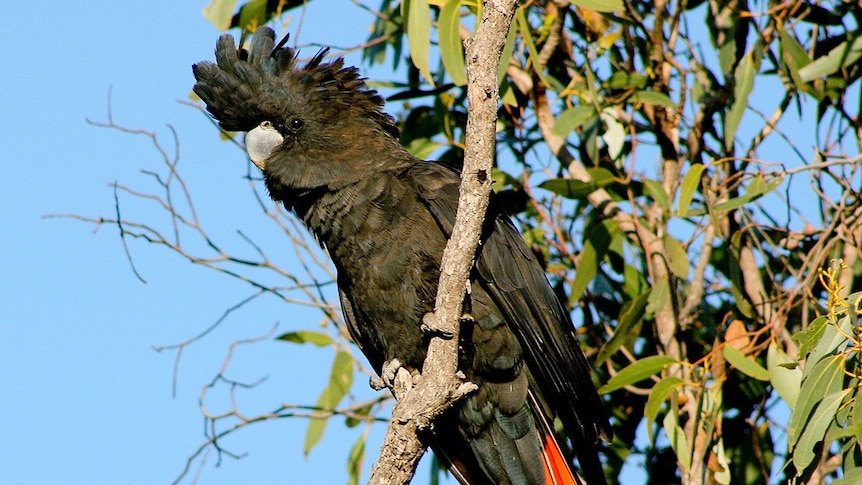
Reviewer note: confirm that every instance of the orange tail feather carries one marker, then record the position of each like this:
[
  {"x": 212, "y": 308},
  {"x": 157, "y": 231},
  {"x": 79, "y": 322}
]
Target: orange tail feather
[{"x": 557, "y": 471}]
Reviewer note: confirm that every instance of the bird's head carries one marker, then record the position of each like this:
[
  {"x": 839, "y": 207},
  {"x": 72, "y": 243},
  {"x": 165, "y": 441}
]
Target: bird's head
[{"x": 298, "y": 117}]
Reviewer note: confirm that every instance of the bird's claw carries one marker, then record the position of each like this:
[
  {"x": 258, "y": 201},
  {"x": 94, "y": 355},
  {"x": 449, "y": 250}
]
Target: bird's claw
[
  {"x": 430, "y": 327},
  {"x": 388, "y": 374}
]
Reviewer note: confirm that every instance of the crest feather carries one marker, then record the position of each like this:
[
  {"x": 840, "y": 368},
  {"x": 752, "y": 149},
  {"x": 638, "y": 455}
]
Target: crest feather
[{"x": 243, "y": 88}]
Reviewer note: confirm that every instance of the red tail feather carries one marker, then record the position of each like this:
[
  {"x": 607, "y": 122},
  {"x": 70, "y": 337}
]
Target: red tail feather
[{"x": 557, "y": 471}]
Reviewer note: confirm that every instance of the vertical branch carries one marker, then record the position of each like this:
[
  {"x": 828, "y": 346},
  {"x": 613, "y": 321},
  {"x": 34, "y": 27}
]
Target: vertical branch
[{"x": 440, "y": 387}]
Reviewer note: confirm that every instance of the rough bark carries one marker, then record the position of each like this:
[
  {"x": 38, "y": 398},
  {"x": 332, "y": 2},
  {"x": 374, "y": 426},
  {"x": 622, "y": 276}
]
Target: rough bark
[{"x": 440, "y": 386}]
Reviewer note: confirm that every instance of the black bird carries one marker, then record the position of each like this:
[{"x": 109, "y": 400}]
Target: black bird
[{"x": 332, "y": 156}]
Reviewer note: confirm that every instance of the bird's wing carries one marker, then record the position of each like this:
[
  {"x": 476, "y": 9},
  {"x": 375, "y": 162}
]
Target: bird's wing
[{"x": 511, "y": 275}]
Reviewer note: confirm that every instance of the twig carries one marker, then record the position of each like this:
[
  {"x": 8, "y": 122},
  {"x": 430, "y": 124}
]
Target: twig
[{"x": 123, "y": 237}]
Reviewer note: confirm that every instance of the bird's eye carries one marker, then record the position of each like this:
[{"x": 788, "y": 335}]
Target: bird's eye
[{"x": 295, "y": 124}]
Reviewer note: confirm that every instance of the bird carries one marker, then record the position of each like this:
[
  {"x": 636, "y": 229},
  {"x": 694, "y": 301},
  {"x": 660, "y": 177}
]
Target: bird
[{"x": 330, "y": 154}]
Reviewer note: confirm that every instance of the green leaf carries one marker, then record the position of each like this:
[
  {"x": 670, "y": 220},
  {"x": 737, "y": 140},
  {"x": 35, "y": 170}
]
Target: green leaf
[
  {"x": 418, "y": 15},
  {"x": 507, "y": 95},
  {"x": 677, "y": 257},
  {"x": 816, "y": 427},
  {"x": 745, "y": 364},
  {"x": 614, "y": 134},
  {"x": 822, "y": 379},
  {"x": 833, "y": 339},
  {"x": 734, "y": 203},
  {"x": 220, "y": 13},
  {"x": 355, "y": 417},
  {"x": 340, "y": 380},
  {"x": 744, "y": 77},
  {"x": 636, "y": 372},
  {"x": 652, "y": 97},
  {"x": 727, "y": 55},
  {"x": 422, "y": 148},
  {"x": 451, "y": 48},
  {"x": 757, "y": 188},
  {"x": 354, "y": 460},
  {"x": 786, "y": 381},
  {"x": 677, "y": 438},
  {"x": 856, "y": 420},
  {"x": 690, "y": 184},
  {"x": 658, "y": 297},
  {"x": 526, "y": 35},
  {"x": 659, "y": 394},
  {"x": 808, "y": 338},
  {"x": 578, "y": 189},
  {"x": 253, "y": 14},
  {"x": 630, "y": 316},
  {"x": 595, "y": 247},
  {"x": 507, "y": 52},
  {"x": 851, "y": 476},
  {"x": 658, "y": 194},
  {"x": 626, "y": 80},
  {"x": 600, "y": 5},
  {"x": 841, "y": 56},
  {"x": 573, "y": 118},
  {"x": 795, "y": 58},
  {"x": 306, "y": 337}
]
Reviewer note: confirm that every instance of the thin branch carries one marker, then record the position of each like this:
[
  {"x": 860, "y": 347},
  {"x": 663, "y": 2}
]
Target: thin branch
[{"x": 123, "y": 237}]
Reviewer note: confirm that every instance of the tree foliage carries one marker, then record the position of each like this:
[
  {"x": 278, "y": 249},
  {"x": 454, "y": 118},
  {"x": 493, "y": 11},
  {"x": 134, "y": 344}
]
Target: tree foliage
[{"x": 689, "y": 174}]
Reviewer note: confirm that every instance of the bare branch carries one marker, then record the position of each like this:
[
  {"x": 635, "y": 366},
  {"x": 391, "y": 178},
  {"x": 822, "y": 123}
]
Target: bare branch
[{"x": 439, "y": 386}]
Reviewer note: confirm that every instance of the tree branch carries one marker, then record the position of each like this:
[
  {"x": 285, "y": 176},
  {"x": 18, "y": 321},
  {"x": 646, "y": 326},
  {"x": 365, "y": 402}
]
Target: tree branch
[{"x": 440, "y": 387}]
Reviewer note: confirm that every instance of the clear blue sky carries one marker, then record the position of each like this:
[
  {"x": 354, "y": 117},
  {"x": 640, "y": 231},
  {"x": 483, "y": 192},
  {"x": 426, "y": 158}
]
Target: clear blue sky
[{"x": 85, "y": 398}]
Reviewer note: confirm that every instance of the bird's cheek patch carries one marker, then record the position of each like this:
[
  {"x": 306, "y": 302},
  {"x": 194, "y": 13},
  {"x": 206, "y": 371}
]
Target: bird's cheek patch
[{"x": 261, "y": 142}]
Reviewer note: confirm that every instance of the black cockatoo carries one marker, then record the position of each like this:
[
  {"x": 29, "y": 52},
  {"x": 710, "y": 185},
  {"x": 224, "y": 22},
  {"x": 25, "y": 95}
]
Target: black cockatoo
[{"x": 332, "y": 156}]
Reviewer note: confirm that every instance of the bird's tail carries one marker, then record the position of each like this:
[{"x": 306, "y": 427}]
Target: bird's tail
[{"x": 557, "y": 470}]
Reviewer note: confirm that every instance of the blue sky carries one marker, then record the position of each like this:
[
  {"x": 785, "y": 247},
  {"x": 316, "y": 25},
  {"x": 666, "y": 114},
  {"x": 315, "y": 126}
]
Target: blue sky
[{"x": 86, "y": 399}]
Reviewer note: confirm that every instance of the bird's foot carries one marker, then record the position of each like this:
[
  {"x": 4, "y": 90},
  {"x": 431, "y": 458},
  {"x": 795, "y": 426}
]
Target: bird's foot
[
  {"x": 387, "y": 375},
  {"x": 430, "y": 326},
  {"x": 467, "y": 318},
  {"x": 396, "y": 377}
]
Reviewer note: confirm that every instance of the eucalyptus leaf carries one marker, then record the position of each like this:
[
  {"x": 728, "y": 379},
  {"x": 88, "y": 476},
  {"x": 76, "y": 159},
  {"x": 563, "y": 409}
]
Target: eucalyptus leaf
[
  {"x": 744, "y": 76},
  {"x": 601, "y": 5},
  {"x": 633, "y": 314},
  {"x": 573, "y": 118},
  {"x": 822, "y": 379},
  {"x": 786, "y": 381},
  {"x": 451, "y": 48},
  {"x": 816, "y": 428},
  {"x": 418, "y": 15},
  {"x": 745, "y": 364},
  {"x": 690, "y": 184},
  {"x": 843, "y": 55},
  {"x": 636, "y": 372},
  {"x": 340, "y": 380},
  {"x": 306, "y": 337},
  {"x": 653, "y": 97},
  {"x": 678, "y": 441},
  {"x": 220, "y": 13},
  {"x": 659, "y": 394}
]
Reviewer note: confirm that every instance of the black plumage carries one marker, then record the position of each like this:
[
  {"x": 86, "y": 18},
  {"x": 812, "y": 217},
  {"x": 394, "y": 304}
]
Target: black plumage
[{"x": 331, "y": 155}]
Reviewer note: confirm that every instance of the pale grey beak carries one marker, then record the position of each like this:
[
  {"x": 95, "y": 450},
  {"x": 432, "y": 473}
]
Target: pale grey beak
[{"x": 260, "y": 143}]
